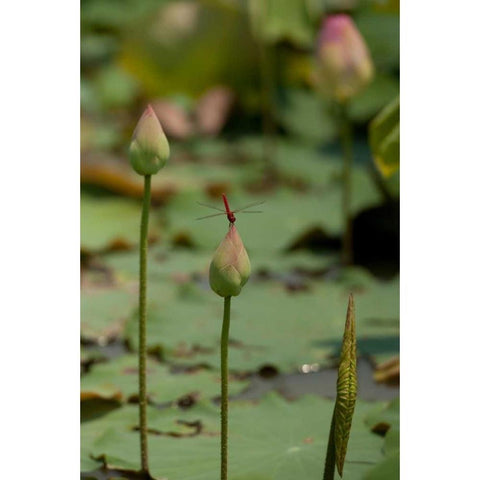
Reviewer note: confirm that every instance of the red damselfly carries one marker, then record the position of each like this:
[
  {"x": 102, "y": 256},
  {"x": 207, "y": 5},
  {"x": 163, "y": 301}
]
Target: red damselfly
[{"x": 228, "y": 212}]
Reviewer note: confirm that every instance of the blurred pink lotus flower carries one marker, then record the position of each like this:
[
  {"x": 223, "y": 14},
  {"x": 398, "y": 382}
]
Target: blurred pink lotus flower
[
  {"x": 345, "y": 65},
  {"x": 213, "y": 109},
  {"x": 174, "y": 119}
]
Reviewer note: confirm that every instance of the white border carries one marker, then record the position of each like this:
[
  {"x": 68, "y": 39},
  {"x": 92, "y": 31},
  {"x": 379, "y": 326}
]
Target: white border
[
  {"x": 440, "y": 82},
  {"x": 39, "y": 156}
]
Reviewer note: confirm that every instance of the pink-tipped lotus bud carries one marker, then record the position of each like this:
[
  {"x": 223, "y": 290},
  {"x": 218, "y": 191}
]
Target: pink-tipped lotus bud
[
  {"x": 230, "y": 267},
  {"x": 343, "y": 57},
  {"x": 149, "y": 148}
]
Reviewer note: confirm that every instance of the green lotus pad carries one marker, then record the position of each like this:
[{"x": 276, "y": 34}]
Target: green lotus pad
[
  {"x": 385, "y": 417},
  {"x": 297, "y": 328},
  {"x": 286, "y": 215},
  {"x": 118, "y": 380},
  {"x": 176, "y": 265},
  {"x": 110, "y": 222},
  {"x": 103, "y": 314},
  {"x": 271, "y": 440}
]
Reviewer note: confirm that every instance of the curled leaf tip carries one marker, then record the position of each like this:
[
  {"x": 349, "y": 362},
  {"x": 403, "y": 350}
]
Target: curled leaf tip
[{"x": 350, "y": 312}]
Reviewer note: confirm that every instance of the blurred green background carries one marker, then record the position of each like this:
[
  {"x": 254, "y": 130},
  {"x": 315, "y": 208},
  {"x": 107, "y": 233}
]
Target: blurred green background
[{"x": 235, "y": 92}]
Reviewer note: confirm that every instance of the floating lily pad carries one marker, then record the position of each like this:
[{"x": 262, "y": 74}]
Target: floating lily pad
[
  {"x": 286, "y": 214},
  {"x": 116, "y": 87},
  {"x": 392, "y": 440},
  {"x": 108, "y": 223},
  {"x": 387, "y": 469},
  {"x": 103, "y": 314},
  {"x": 296, "y": 161},
  {"x": 87, "y": 463},
  {"x": 180, "y": 265},
  {"x": 301, "y": 260},
  {"x": 165, "y": 420},
  {"x": 305, "y": 115},
  {"x": 277, "y": 20},
  {"x": 162, "y": 263},
  {"x": 126, "y": 417},
  {"x": 295, "y": 329},
  {"x": 88, "y": 355},
  {"x": 197, "y": 177},
  {"x": 356, "y": 278},
  {"x": 118, "y": 380},
  {"x": 384, "y": 416},
  {"x": 272, "y": 440}
]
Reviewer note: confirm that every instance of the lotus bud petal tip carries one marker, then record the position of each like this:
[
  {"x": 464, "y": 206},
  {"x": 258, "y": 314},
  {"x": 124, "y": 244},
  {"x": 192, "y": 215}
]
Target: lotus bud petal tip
[
  {"x": 230, "y": 266},
  {"x": 345, "y": 63},
  {"x": 149, "y": 149}
]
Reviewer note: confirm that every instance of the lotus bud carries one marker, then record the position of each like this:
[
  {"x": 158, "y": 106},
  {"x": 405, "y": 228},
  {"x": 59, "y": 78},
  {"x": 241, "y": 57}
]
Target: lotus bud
[
  {"x": 149, "y": 148},
  {"x": 230, "y": 267},
  {"x": 343, "y": 57}
]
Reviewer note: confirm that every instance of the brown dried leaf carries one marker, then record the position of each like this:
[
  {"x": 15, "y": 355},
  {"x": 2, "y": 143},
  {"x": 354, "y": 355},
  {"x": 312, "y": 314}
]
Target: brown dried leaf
[
  {"x": 388, "y": 372},
  {"x": 117, "y": 176}
]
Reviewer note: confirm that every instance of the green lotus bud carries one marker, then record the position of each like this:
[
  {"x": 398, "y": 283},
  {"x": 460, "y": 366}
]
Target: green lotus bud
[
  {"x": 149, "y": 148},
  {"x": 343, "y": 57},
  {"x": 230, "y": 267}
]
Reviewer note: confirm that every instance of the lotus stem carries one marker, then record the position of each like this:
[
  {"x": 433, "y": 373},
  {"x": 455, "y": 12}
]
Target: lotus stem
[
  {"x": 329, "y": 470},
  {"x": 142, "y": 349},
  {"x": 224, "y": 395},
  {"x": 347, "y": 148}
]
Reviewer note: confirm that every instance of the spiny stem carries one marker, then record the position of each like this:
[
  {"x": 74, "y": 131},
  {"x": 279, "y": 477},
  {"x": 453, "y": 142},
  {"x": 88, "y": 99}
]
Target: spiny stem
[
  {"x": 347, "y": 147},
  {"x": 142, "y": 349},
  {"x": 329, "y": 470},
  {"x": 224, "y": 380}
]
